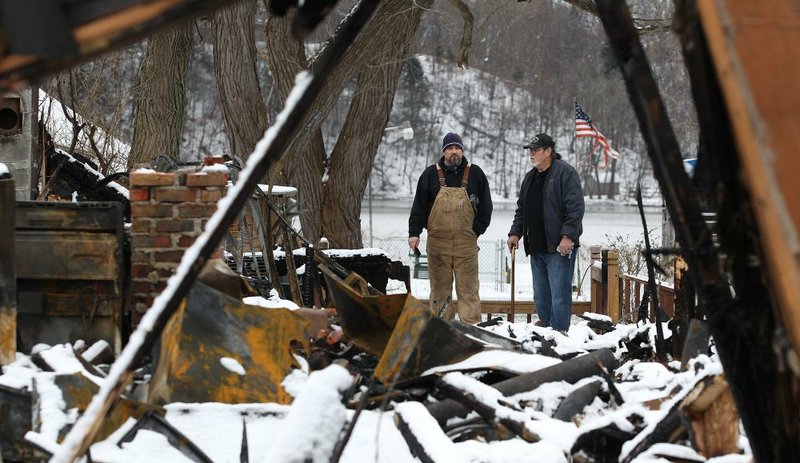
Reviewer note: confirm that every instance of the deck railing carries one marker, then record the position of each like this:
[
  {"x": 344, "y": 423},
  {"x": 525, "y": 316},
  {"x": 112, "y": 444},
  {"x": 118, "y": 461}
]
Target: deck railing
[{"x": 619, "y": 295}]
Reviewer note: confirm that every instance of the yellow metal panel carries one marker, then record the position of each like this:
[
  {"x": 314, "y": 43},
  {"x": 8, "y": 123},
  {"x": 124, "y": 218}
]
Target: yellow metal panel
[{"x": 210, "y": 326}]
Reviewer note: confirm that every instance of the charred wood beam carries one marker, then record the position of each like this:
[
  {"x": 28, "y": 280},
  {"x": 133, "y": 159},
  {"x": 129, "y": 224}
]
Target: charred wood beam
[
  {"x": 266, "y": 155},
  {"x": 420, "y": 432},
  {"x": 671, "y": 428},
  {"x": 503, "y": 413},
  {"x": 765, "y": 390},
  {"x": 652, "y": 287},
  {"x": 74, "y": 31},
  {"x": 570, "y": 370},
  {"x": 577, "y": 400},
  {"x": 696, "y": 343},
  {"x": 603, "y": 326},
  {"x": 602, "y": 445}
]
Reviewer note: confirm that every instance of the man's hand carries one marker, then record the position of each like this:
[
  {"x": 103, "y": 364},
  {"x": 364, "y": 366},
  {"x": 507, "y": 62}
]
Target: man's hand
[
  {"x": 566, "y": 246},
  {"x": 513, "y": 242},
  {"x": 413, "y": 243}
]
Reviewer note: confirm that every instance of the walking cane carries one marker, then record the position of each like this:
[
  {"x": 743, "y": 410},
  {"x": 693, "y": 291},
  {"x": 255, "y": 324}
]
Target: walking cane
[{"x": 513, "y": 267}]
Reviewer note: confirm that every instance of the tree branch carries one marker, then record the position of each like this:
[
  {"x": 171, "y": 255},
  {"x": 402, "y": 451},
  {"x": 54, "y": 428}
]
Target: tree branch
[
  {"x": 466, "y": 39},
  {"x": 643, "y": 25}
]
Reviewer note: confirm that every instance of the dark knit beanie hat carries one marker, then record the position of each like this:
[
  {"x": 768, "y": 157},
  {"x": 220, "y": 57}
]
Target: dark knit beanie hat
[{"x": 452, "y": 139}]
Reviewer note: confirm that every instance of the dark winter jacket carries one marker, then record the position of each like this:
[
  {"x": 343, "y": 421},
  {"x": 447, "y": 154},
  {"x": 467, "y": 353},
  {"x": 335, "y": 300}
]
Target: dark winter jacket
[
  {"x": 428, "y": 188},
  {"x": 563, "y": 206}
]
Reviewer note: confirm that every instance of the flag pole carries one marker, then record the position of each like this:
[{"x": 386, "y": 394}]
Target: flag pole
[{"x": 574, "y": 132}]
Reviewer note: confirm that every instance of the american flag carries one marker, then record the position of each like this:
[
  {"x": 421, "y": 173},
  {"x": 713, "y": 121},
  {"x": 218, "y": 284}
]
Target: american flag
[{"x": 585, "y": 128}]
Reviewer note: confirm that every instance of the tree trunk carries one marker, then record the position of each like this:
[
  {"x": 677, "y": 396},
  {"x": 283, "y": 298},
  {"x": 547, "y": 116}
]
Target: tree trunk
[
  {"x": 286, "y": 56},
  {"x": 243, "y": 109},
  {"x": 161, "y": 96},
  {"x": 610, "y": 193},
  {"x": 363, "y": 130}
]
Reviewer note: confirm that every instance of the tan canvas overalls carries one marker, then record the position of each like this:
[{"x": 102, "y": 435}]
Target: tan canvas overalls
[{"x": 453, "y": 249}]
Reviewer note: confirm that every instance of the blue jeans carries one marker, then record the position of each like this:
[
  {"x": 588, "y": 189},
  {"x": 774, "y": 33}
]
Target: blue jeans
[{"x": 552, "y": 288}]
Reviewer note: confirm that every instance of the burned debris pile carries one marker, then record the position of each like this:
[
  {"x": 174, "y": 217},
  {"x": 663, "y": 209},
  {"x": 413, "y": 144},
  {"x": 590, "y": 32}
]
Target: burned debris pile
[{"x": 241, "y": 377}]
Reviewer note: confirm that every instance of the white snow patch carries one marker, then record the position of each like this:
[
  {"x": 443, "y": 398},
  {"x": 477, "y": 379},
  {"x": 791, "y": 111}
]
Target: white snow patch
[{"x": 232, "y": 365}]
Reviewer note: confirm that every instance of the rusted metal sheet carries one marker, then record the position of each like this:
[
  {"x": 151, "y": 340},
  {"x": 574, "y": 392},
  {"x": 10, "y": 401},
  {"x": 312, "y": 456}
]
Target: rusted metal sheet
[
  {"x": 368, "y": 320},
  {"x": 8, "y": 279},
  {"x": 77, "y": 391},
  {"x": 15, "y": 421},
  {"x": 210, "y": 326},
  {"x": 71, "y": 277},
  {"x": 70, "y": 256},
  {"x": 420, "y": 341},
  {"x": 755, "y": 46}
]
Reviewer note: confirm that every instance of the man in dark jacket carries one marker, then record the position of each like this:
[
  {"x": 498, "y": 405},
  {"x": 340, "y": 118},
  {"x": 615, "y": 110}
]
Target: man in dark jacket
[
  {"x": 549, "y": 216},
  {"x": 454, "y": 204}
]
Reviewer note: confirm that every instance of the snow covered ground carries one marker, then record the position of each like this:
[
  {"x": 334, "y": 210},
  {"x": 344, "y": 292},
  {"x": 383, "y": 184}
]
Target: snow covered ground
[{"x": 309, "y": 429}]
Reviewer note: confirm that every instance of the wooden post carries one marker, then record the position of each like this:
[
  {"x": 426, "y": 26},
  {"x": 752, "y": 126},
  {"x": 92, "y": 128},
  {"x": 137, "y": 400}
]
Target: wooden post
[
  {"x": 8, "y": 278},
  {"x": 511, "y": 313},
  {"x": 612, "y": 285},
  {"x": 596, "y": 278}
]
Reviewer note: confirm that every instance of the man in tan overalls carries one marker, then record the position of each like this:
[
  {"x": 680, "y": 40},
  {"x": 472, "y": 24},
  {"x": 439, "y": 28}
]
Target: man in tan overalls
[{"x": 454, "y": 203}]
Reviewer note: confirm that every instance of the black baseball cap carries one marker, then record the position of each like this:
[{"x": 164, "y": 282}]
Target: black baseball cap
[{"x": 541, "y": 140}]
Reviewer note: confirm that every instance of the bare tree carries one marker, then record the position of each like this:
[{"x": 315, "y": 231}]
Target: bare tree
[
  {"x": 161, "y": 96},
  {"x": 85, "y": 109},
  {"x": 243, "y": 110},
  {"x": 333, "y": 209}
]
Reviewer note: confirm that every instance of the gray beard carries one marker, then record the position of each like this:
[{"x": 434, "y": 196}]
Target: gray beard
[{"x": 449, "y": 163}]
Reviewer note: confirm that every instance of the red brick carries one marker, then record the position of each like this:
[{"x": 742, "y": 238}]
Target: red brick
[
  {"x": 174, "y": 226},
  {"x": 140, "y": 257},
  {"x": 151, "y": 179},
  {"x": 211, "y": 195},
  {"x": 142, "y": 286},
  {"x": 140, "y": 194},
  {"x": 147, "y": 210},
  {"x": 168, "y": 256},
  {"x": 211, "y": 160},
  {"x": 151, "y": 241},
  {"x": 207, "y": 179},
  {"x": 196, "y": 210},
  {"x": 140, "y": 270},
  {"x": 186, "y": 241},
  {"x": 176, "y": 195},
  {"x": 142, "y": 226}
]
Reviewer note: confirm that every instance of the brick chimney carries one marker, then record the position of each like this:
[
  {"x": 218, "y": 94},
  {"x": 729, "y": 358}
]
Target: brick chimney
[{"x": 168, "y": 212}]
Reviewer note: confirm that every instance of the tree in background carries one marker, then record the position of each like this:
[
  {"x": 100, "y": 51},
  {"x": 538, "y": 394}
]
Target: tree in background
[
  {"x": 161, "y": 96},
  {"x": 243, "y": 109},
  {"x": 332, "y": 187},
  {"x": 96, "y": 103}
]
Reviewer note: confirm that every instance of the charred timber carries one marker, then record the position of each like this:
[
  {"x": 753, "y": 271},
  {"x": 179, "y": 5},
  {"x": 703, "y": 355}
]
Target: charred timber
[
  {"x": 765, "y": 390},
  {"x": 571, "y": 371}
]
